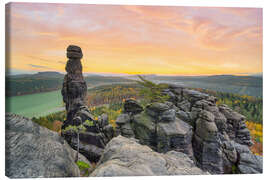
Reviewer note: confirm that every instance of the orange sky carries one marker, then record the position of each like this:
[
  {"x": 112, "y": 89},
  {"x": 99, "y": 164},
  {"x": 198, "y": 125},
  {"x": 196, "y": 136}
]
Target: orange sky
[{"x": 136, "y": 39}]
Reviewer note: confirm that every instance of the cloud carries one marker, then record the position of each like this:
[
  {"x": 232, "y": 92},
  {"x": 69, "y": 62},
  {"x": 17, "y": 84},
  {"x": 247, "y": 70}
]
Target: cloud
[
  {"x": 38, "y": 66},
  {"x": 61, "y": 62},
  {"x": 111, "y": 35},
  {"x": 38, "y": 58},
  {"x": 153, "y": 12}
]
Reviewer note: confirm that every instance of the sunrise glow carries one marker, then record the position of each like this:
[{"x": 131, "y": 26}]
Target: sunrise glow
[{"x": 137, "y": 39}]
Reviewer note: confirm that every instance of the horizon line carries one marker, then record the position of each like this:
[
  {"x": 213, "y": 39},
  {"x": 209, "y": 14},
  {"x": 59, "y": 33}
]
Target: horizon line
[{"x": 21, "y": 72}]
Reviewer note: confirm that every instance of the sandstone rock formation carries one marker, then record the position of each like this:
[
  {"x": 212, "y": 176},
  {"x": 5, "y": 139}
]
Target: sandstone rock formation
[
  {"x": 126, "y": 157},
  {"x": 74, "y": 87},
  {"x": 80, "y": 128},
  {"x": 33, "y": 151},
  {"x": 191, "y": 122}
]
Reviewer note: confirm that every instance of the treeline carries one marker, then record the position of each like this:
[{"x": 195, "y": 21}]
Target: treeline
[
  {"x": 111, "y": 94},
  {"x": 49, "y": 81},
  {"x": 21, "y": 86},
  {"x": 249, "y": 106},
  {"x": 244, "y": 85}
]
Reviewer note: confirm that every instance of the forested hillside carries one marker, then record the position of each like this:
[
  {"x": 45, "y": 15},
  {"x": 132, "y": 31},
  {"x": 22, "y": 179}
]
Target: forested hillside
[
  {"x": 243, "y": 85},
  {"x": 49, "y": 81}
]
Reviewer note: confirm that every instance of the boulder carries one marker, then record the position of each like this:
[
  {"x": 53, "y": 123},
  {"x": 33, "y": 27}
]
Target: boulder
[
  {"x": 74, "y": 52},
  {"x": 250, "y": 163},
  {"x": 123, "y": 122},
  {"x": 155, "y": 109},
  {"x": 209, "y": 155},
  {"x": 132, "y": 106},
  {"x": 163, "y": 136},
  {"x": 126, "y": 157},
  {"x": 33, "y": 151},
  {"x": 206, "y": 128},
  {"x": 122, "y": 119},
  {"x": 145, "y": 129},
  {"x": 175, "y": 135}
]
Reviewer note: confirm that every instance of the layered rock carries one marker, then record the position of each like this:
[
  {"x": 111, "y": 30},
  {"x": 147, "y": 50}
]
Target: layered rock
[
  {"x": 33, "y": 151},
  {"x": 74, "y": 87},
  {"x": 206, "y": 143},
  {"x": 157, "y": 127},
  {"x": 126, "y": 157},
  {"x": 237, "y": 129},
  {"x": 125, "y": 120},
  {"x": 192, "y": 123},
  {"x": 80, "y": 128},
  {"x": 220, "y": 138}
]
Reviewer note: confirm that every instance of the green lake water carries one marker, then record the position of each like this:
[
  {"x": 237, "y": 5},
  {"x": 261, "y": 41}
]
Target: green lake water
[{"x": 35, "y": 105}]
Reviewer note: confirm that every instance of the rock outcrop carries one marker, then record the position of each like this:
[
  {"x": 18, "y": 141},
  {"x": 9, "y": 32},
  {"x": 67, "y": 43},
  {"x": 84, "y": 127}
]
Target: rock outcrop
[
  {"x": 218, "y": 132},
  {"x": 159, "y": 128},
  {"x": 80, "y": 128},
  {"x": 126, "y": 157},
  {"x": 190, "y": 122},
  {"x": 74, "y": 87},
  {"x": 33, "y": 151}
]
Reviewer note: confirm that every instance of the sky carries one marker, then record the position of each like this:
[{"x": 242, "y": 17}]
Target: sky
[{"x": 119, "y": 39}]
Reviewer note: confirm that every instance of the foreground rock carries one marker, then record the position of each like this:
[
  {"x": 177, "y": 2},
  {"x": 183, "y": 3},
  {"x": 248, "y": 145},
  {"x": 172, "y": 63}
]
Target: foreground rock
[
  {"x": 33, "y": 151},
  {"x": 126, "y": 157}
]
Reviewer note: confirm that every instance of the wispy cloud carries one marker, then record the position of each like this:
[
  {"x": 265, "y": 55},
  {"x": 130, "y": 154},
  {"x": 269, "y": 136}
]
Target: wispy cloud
[
  {"x": 38, "y": 66},
  {"x": 129, "y": 39}
]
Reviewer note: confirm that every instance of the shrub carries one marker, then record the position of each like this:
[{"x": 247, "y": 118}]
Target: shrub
[
  {"x": 83, "y": 166},
  {"x": 152, "y": 92}
]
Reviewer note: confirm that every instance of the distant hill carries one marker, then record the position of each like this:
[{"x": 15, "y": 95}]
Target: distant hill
[
  {"x": 48, "y": 81},
  {"x": 243, "y": 85}
]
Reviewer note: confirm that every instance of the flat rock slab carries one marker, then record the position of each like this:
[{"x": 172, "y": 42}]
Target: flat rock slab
[{"x": 126, "y": 157}]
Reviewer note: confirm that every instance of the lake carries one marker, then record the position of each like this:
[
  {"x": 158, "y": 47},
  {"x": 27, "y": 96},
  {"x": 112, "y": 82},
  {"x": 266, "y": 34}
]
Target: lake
[
  {"x": 40, "y": 104},
  {"x": 35, "y": 105}
]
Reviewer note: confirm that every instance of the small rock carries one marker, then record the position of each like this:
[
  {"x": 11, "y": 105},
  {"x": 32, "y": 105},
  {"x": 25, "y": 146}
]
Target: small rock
[
  {"x": 132, "y": 106},
  {"x": 122, "y": 119}
]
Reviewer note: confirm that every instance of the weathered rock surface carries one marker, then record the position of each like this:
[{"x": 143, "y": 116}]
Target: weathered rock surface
[
  {"x": 92, "y": 138},
  {"x": 93, "y": 135},
  {"x": 157, "y": 127},
  {"x": 74, "y": 87},
  {"x": 237, "y": 129},
  {"x": 250, "y": 163},
  {"x": 192, "y": 123},
  {"x": 33, "y": 151},
  {"x": 220, "y": 138},
  {"x": 133, "y": 107},
  {"x": 126, "y": 157}
]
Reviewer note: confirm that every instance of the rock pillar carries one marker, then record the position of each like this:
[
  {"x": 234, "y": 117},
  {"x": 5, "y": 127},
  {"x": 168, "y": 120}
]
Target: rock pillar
[{"x": 74, "y": 88}]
